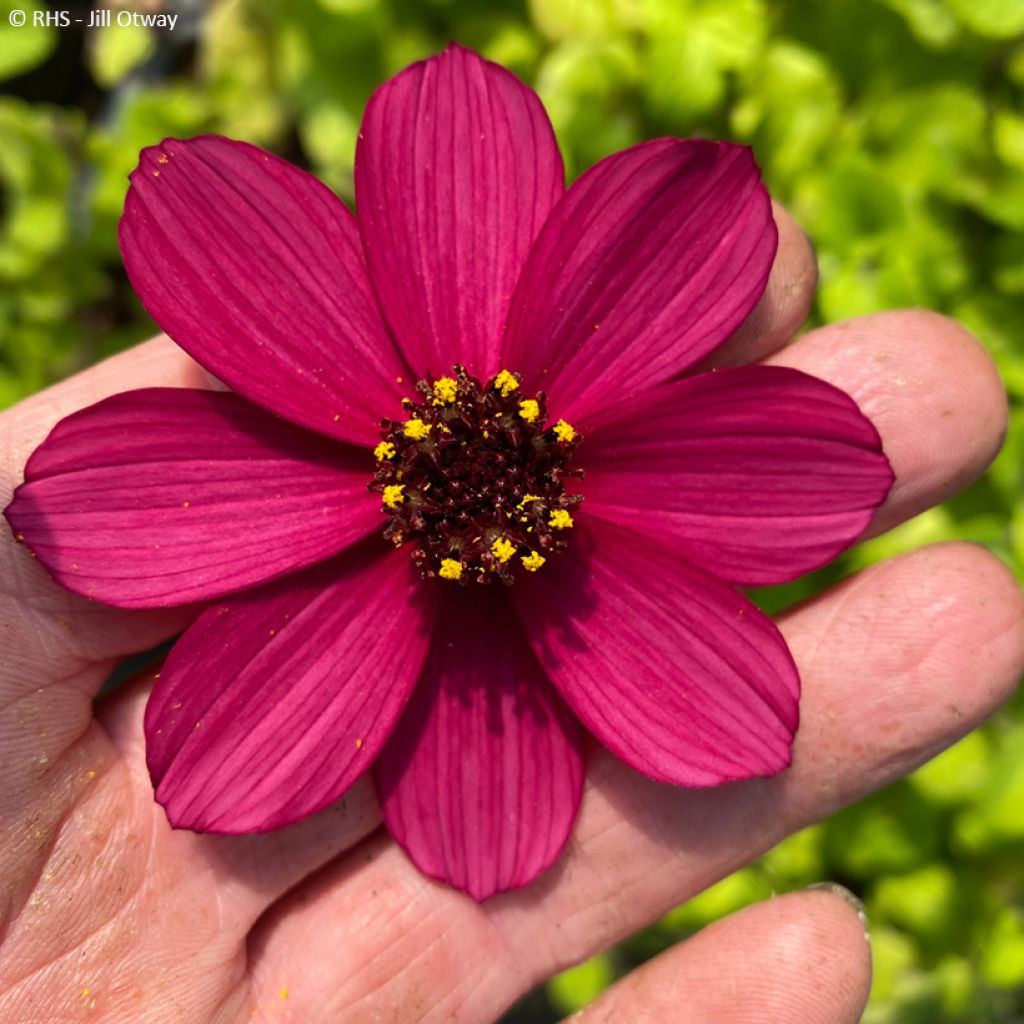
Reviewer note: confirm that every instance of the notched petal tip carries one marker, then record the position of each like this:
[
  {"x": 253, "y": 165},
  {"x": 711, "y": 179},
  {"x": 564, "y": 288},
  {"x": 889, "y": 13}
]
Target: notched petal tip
[
  {"x": 650, "y": 260},
  {"x": 714, "y": 697},
  {"x": 126, "y": 501},
  {"x": 482, "y": 779},
  {"x": 255, "y": 268},
  {"x": 456, "y": 170},
  {"x": 274, "y": 703},
  {"x": 759, "y": 474}
]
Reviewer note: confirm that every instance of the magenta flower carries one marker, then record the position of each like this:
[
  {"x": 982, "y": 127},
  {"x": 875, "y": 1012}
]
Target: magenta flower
[{"x": 553, "y": 442}]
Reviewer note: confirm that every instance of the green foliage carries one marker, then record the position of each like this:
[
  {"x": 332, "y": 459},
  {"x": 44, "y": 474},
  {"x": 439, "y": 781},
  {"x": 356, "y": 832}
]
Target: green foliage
[{"x": 894, "y": 129}]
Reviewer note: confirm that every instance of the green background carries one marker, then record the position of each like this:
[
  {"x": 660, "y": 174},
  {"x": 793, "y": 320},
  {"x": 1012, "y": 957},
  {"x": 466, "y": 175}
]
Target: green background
[{"x": 894, "y": 129}]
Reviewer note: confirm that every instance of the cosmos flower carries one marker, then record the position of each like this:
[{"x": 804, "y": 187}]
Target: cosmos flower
[{"x": 463, "y": 500}]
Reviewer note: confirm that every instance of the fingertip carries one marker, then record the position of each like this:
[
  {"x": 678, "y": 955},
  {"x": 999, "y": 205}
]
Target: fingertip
[
  {"x": 785, "y": 304},
  {"x": 930, "y": 389},
  {"x": 993, "y": 600},
  {"x": 826, "y": 927}
]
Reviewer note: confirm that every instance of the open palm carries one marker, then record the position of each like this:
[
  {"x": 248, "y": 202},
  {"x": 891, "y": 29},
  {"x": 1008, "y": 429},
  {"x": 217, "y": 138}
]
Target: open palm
[{"x": 106, "y": 914}]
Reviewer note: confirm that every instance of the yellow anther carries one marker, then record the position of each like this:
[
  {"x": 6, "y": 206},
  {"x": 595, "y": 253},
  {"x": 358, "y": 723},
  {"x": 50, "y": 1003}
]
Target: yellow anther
[
  {"x": 446, "y": 390},
  {"x": 560, "y": 519},
  {"x": 503, "y": 549},
  {"x": 506, "y": 383},
  {"x": 529, "y": 410},
  {"x": 393, "y": 496},
  {"x": 396, "y": 538},
  {"x": 528, "y": 498},
  {"x": 533, "y": 561},
  {"x": 450, "y": 569},
  {"x": 416, "y": 428},
  {"x": 385, "y": 450},
  {"x": 564, "y": 432}
]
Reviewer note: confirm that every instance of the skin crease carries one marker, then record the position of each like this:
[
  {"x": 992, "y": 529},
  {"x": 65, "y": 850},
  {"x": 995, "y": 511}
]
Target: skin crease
[{"x": 107, "y": 915}]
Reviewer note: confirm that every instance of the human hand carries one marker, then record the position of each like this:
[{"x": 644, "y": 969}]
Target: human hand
[{"x": 109, "y": 915}]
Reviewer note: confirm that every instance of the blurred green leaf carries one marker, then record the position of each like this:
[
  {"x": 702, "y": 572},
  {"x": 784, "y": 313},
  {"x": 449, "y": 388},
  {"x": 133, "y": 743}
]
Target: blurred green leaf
[
  {"x": 118, "y": 49},
  {"x": 23, "y": 47},
  {"x": 574, "y": 988},
  {"x": 999, "y": 19}
]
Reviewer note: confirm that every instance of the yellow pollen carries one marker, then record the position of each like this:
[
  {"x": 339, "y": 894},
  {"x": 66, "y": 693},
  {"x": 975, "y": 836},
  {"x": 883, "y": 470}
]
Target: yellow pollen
[
  {"x": 506, "y": 383},
  {"x": 393, "y": 496},
  {"x": 564, "y": 432},
  {"x": 385, "y": 450},
  {"x": 416, "y": 429},
  {"x": 528, "y": 497},
  {"x": 503, "y": 549},
  {"x": 396, "y": 538},
  {"x": 450, "y": 569},
  {"x": 446, "y": 389},
  {"x": 560, "y": 519},
  {"x": 533, "y": 561},
  {"x": 529, "y": 410}
]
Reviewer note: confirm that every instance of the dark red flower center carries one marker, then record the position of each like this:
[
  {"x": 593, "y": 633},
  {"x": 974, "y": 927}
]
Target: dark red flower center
[{"x": 474, "y": 478}]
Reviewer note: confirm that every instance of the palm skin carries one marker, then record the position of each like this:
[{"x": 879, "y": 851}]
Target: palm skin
[{"x": 106, "y": 914}]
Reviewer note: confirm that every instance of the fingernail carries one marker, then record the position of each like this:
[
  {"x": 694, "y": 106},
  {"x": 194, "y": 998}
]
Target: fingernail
[{"x": 847, "y": 897}]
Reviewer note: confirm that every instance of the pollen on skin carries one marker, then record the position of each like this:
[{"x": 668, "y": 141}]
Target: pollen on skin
[
  {"x": 506, "y": 383},
  {"x": 564, "y": 431},
  {"x": 560, "y": 520},
  {"x": 446, "y": 390},
  {"x": 529, "y": 410},
  {"x": 533, "y": 561},
  {"x": 503, "y": 549},
  {"x": 450, "y": 569},
  {"x": 416, "y": 429},
  {"x": 385, "y": 450},
  {"x": 393, "y": 495}
]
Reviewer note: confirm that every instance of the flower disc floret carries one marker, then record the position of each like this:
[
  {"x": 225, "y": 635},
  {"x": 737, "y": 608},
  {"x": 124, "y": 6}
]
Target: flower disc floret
[{"x": 482, "y": 487}]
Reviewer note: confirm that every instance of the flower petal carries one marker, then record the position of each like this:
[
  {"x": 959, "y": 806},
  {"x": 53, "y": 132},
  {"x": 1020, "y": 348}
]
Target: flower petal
[
  {"x": 255, "y": 269},
  {"x": 456, "y": 170},
  {"x": 481, "y": 780},
  {"x": 274, "y": 702},
  {"x": 758, "y": 474},
  {"x": 675, "y": 672},
  {"x": 166, "y": 496},
  {"x": 649, "y": 262}
]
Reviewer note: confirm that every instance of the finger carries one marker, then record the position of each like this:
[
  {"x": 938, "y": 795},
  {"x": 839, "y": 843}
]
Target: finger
[
  {"x": 930, "y": 389},
  {"x": 785, "y": 304},
  {"x": 803, "y": 957},
  {"x": 897, "y": 664}
]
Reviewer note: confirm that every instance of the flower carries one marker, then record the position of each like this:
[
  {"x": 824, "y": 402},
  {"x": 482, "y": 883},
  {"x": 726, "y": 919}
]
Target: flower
[{"x": 394, "y": 374}]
